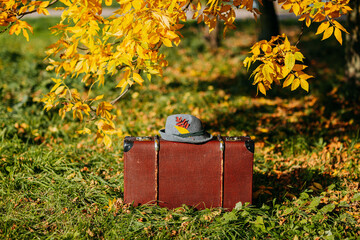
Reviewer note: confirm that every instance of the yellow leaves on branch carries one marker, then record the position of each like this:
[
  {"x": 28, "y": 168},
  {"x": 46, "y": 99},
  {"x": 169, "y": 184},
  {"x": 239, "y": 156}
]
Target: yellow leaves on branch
[
  {"x": 12, "y": 10},
  {"x": 126, "y": 46},
  {"x": 21, "y": 26},
  {"x": 105, "y": 129},
  {"x": 216, "y": 10},
  {"x": 331, "y": 27},
  {"x": 320, "y": 11},
  {"x": 279, "y": 61}
]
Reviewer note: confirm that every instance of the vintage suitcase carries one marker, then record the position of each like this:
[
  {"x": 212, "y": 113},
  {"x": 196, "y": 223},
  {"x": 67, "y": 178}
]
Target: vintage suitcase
[{"x": 213, "y": 174}]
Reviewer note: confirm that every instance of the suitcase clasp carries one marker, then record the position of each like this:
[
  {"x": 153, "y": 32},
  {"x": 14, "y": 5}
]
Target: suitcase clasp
[
  {"x": 222, "y": 143},
  {"x": 157, "y": 143}
]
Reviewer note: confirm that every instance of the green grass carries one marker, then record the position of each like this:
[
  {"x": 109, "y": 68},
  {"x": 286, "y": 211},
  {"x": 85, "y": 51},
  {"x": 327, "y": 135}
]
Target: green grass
[{"x": 57, "y": 184}]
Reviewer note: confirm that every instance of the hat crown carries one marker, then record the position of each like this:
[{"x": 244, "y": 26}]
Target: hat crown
[
  {"x": 182, "y": 124},
  {"x": 184, "y": 128}
]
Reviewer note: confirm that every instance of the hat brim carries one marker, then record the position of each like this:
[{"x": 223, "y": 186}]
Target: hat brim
[{"x": 195, "y": 139}]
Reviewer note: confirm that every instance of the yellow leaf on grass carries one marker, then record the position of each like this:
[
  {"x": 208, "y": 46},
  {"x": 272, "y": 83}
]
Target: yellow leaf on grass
[
  {"x": 317, "y": 185},
  {"x": 322, "y": 27},
  {"x": 338, "y": 36},
  {"x": 328, "y": 32},
  {"x": 137, "y": 78}
]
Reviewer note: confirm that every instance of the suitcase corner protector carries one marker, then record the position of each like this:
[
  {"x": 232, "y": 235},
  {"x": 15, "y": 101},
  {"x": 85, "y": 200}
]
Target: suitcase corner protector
[
  {"x": 250, "y": 145},
  {"x": 128, "y": 144}
]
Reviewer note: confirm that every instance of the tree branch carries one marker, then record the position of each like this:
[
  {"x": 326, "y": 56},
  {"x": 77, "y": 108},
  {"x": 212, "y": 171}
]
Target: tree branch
[
  {"x": 120, "y": 96},
  {"x": 301, "y": 33},
  {"x": 187, "y": 6},
  {"x": 26, "y": 13}
]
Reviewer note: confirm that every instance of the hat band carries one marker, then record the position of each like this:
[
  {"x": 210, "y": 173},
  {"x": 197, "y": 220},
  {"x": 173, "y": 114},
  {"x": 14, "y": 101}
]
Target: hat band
[{"x": 191, "y": 134}]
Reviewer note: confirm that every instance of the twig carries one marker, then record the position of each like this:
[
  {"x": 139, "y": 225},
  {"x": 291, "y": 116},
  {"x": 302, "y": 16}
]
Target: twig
[
  {"x": 301, "y": 33},
  {"x": 4, "y": 30},
  {"x": 26, "y": 13},
  {"x": 187, "y": 6},
  {"x": 120, "y": 96}
]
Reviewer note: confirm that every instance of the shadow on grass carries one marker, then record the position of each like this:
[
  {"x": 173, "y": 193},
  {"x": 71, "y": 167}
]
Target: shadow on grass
[{"x": 290, "y": 184}]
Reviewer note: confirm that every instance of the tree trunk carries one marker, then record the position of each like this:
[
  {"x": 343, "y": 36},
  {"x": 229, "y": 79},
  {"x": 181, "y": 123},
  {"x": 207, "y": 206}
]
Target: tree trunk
[
  {"x": 213, "y": 38},
  {"x": 269, "y": 24},
  {"x": 352, "y": 54}
]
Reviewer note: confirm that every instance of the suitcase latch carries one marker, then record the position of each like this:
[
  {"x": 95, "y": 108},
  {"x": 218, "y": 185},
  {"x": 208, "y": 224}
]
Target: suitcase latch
[{"x": 222, "y": 143}]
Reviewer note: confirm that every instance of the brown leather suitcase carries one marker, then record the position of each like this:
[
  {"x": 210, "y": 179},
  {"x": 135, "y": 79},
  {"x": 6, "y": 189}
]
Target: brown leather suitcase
[{"x": 213, "y": 174}]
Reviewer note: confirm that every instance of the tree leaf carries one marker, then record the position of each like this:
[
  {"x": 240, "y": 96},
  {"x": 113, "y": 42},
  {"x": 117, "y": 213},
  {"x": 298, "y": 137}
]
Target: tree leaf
[
  {"x": 261, "y": 88},
  {"x": 107, "y": 141},
  {"x": 295, "y": 84},
  {"x": 338, "y": 36},
  {"x": 288, "y": 80},
  {"x": 59, "y": 90},
  {"x": 338, "y": 25},
  {"x": 136, "y": 4},
  {"x": 323, "y": 26},
  {"x": 266, "y": 70},
  {"x": 55, "y": 87},
  {"x": 299, "y": 56},
  {"x": 299, "y": 67},
  {"x": 167, "y": 42},
  {"x": 287, "y": 44},
  {"x": 328, "y": 32},
  {"x": 137, "y": 78},
  {"x": 289, "y": 61},
  {"x": 304, "y": 85}
]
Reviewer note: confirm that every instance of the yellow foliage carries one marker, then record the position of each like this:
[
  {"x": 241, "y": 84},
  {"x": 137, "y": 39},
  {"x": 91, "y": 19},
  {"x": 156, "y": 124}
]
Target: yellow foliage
[
  {"x": 128, "y": 44},
  {"x": 278, "y": 62}
]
